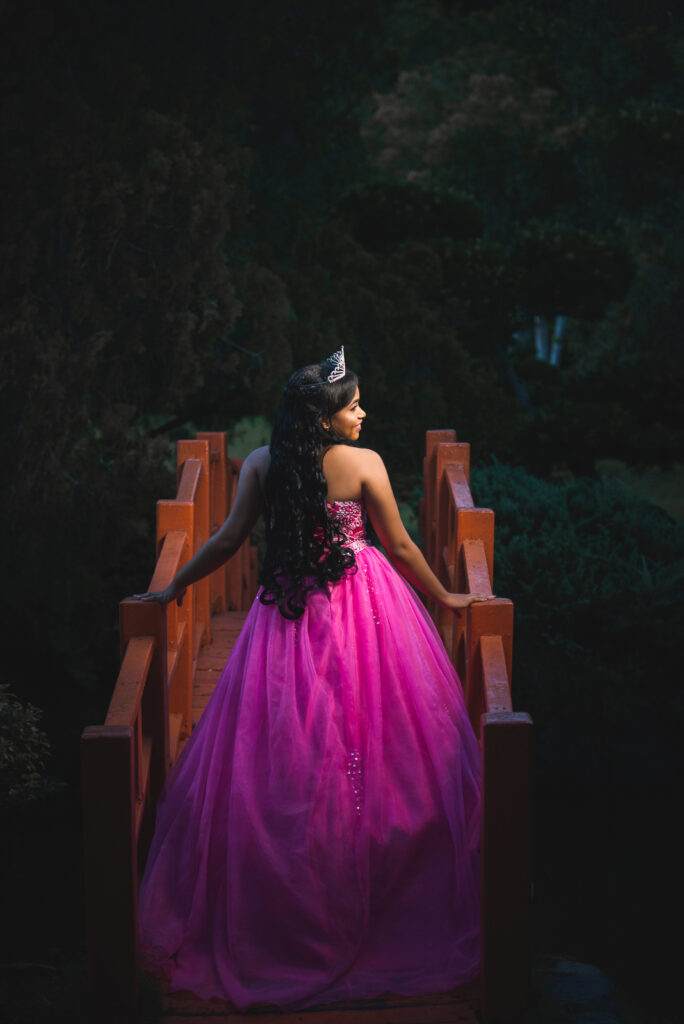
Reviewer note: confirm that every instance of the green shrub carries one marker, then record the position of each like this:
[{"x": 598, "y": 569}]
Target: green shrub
[
  {"x": 24, "y": 750},
  {"x": 597, "y": 577}
]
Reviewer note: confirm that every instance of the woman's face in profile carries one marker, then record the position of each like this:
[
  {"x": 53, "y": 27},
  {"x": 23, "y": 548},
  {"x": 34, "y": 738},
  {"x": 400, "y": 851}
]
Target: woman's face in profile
[{"x": 347, "y": 421}]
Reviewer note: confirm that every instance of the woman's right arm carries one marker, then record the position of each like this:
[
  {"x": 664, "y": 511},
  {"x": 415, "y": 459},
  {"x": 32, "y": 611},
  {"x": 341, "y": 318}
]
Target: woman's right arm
[
  {"x": 246, "y": 509},
  {"x": 402, "y": 552}
]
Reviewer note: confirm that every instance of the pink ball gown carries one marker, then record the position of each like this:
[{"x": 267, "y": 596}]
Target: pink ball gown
[{"x": 317, "y": 838}]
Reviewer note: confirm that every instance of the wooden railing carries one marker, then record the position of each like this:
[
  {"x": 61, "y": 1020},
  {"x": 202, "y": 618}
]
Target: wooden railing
[
  {"x": 125, "y": 761},
  {"x": 459, "y": 545}
]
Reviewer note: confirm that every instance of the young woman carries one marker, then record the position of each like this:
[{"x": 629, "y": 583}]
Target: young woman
[{"x": 317, "y": 837}]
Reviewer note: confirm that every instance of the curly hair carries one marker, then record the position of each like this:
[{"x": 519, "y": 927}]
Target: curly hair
[{"x": 304, "y": 548}]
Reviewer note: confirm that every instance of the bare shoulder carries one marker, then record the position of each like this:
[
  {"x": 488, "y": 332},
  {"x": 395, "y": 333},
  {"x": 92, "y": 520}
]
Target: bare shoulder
[
  {"x": 259, "y": 456},
  {"x": 350, "y": 471},
  {"x": 258, "y": 462},
  {"x": 368, "y": 463},
  {"x": 348, "y": 455}
]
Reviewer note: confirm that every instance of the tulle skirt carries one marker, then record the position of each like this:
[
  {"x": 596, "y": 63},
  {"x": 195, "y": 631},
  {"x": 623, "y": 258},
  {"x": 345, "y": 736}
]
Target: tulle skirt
[{"x": 317, "y": 838}]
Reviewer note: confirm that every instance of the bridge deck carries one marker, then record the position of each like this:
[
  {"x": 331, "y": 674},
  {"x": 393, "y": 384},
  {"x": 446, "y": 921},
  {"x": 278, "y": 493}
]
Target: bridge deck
[
  {"x": 225, "y": 629},
  {"x": 456, "y": 1007}
]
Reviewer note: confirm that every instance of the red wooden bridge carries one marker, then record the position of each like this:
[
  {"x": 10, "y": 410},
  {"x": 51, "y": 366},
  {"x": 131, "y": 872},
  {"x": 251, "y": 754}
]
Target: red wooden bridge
[{"x": 172, "y": 658}]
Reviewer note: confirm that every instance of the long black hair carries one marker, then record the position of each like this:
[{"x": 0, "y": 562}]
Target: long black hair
[{"x": 304, "y": 549}]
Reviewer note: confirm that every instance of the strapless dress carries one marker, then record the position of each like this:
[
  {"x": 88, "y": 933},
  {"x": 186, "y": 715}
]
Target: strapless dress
[{"x": 317, "y": 838}]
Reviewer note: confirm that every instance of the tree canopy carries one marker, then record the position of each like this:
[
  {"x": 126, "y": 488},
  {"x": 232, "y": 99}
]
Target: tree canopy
[{"x": 196, "y": 199}]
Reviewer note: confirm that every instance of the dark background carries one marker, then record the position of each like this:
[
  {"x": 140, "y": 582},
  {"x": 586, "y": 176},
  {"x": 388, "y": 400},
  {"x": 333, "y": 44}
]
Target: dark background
[{"x": 198, "y": 198}]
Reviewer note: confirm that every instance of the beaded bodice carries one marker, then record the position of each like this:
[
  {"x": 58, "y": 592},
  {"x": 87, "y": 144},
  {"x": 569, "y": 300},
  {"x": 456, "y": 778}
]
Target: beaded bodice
[{"x": 351, "y": 518}]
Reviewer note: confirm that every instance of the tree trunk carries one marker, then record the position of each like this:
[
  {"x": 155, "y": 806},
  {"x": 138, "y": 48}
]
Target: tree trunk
[
  {"x": 541, "y": 337},
  {"x": 557, "y": 341}
]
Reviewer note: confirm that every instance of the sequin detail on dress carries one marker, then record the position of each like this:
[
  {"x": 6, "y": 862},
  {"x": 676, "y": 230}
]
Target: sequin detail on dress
[
  {"x": 355, "y": 773},
  {"x": 351, "y": 517}
]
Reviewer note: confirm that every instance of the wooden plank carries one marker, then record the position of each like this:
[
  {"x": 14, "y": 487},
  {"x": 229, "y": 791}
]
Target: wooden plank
[
  {"x": 144, "y": 772},
  {"x": 176, "y": 647},
  {"x": 476, "y": 570},
  {"x": 171, "y": 556},
  {"x": 457, "y": 457},
  {"x": 474, "y": 524},
  {"x": 211, "y": 673},
  {"x": 485, "y": 618},
  {"x": 228, "y": 620},
  {"x": 432, "y": 439},
  {"x": 200, "y": 702},
  {"x": 225, "y": 627},
  {"x": 190, "y": 452},
  {"x": 148, "y": 618},
  {"x": 207, "y": 681},
  {"x": 174, "y": 515},
  {"x": 124, "y": 706},
  {"x": 217, "y": 654},
  {"x": 224, "y": 640},
  {"x": 199, "y": 634},
  {"x": 435, "y": 437},
  {"x": 180, "y": 678},
  {"x": 175, "y": 728},
  {"x": 190, "y": 475},
  {"x": 459, "y": 1006},
  {"x": 455, "y": 454},
  {"x": 218, "y": 495},
  {"x": 173, "y": 664},
  {"x": 497, "y": 691},
  {"x": 200, "y": 697},
  {"x": 397, "y": 1015},
  {"x": 213, "y": 657},
  {"x": 457, "y": 481}
]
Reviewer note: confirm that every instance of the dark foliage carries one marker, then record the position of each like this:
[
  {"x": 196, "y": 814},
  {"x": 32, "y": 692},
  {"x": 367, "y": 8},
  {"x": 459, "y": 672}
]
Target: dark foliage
[
  {"x": 197, "y": 201},
  {"x": 382, "y": 215},
  {"x": 597, "y": 578},
  {"x": 24, "y": 750}
]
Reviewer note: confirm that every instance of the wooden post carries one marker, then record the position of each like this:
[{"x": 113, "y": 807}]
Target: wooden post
[
  {"x": 506, "y": 751},
  {"x": 474, "y": 524},
  {"x": 453, "y": 457},
  {"x": 451, "y": 460},
  {"x": 432, "y": 439},
  {"x": 110, "y": 871},
  {"x": 218, "y": 454},
  {"x": 148, "y": 618},
  {"x": 176, "y": 518},
  {"x": 485, "y": 618},
  {"x": 202, "y": 527}
]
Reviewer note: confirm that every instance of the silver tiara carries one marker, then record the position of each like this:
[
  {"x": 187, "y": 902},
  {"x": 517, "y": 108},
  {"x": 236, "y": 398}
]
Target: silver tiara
[{"x": 339, "y": 369}]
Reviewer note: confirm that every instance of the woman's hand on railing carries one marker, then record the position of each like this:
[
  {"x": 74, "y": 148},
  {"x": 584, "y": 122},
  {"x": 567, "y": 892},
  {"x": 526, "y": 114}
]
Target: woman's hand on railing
[
  {"x": 171, "y": 593},
  {"x": 457, "y": 602}
]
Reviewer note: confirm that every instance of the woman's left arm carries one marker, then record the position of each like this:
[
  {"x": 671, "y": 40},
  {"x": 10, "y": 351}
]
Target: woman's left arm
[
  {"x": 246, "y": 509},
  {"x": 402, "y": 552}
]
